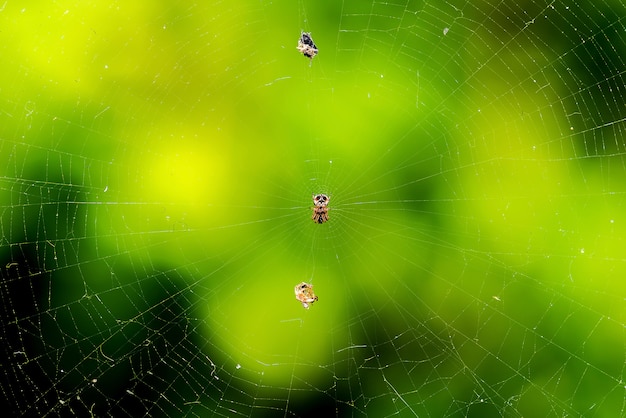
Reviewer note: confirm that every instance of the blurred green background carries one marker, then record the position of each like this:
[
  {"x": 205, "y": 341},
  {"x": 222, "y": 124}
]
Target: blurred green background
[{"x": 160, "y": 162}]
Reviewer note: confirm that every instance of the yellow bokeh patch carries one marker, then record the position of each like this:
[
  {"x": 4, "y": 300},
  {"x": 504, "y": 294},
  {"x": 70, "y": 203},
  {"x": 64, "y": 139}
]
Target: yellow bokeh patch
[{"x": 185, "y": 176}]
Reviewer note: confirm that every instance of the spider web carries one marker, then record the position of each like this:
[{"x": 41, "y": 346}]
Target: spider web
[{"x": 156, "y": 209}]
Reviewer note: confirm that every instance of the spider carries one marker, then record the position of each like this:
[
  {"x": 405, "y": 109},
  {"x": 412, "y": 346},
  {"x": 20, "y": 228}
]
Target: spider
[
  {"x": 304, "y": 293},
  {"x": 320, "y": 210},
  {"x": 306, "y": 46}
]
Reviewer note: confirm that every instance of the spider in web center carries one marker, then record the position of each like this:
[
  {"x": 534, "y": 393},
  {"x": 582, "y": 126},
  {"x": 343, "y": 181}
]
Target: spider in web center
[{"x": 320, "y": 208}]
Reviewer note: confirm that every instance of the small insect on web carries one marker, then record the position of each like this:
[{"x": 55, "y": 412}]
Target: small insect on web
[
  {"x": 305, "y": 294},
  {"x": 320, "y": 210},
  {"x": 306, "y": 46}
]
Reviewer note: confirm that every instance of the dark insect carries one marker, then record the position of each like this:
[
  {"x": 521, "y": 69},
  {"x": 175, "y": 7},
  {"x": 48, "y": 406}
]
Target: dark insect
[{"x": 306, "y": 46}]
